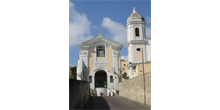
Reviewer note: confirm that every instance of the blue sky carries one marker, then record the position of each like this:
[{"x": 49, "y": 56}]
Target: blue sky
[{"x": 86, "y": 18}]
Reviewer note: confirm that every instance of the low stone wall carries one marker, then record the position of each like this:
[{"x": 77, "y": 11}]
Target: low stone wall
[
  {"x": 133, "y": 89},
  {"x": 78, "y": 93}
]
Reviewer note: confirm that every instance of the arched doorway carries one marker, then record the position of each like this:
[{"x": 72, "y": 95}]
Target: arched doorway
[{"x": 101, "y": 79}]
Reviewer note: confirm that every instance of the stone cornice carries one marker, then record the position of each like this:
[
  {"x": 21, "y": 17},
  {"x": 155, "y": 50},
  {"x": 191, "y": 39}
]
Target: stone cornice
[
  {"x": 117, "y": 47},
  {"x": 136, "y": 42},
  {"x": 135, "y": 22},
  {"x": 83, "y": 47}
]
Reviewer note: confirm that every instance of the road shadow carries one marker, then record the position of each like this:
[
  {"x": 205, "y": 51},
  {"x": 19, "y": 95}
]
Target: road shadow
[{"x": 96, "y": 103}]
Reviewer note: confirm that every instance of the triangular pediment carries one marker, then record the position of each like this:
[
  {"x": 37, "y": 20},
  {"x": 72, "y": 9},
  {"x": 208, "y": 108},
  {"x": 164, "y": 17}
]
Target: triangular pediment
[{"x": 101, "y": 39}]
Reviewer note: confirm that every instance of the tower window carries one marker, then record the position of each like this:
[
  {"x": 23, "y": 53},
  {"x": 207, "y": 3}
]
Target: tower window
[
  {"x": 136, "y": 31},
  {"x": 100, "y": 51},
  {"x": 124, "y": 64}
]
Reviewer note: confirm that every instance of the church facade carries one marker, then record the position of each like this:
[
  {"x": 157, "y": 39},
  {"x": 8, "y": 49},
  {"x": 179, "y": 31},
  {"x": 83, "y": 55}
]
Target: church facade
[{"x": 100, "y": 58}]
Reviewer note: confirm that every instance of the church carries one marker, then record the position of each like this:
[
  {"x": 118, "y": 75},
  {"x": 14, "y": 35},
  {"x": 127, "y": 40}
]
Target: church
[{"x": 100, "y": 58}]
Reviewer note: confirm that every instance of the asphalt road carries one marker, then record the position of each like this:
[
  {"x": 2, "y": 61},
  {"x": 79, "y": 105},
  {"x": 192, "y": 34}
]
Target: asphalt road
[{"x": 113, "y": 103}]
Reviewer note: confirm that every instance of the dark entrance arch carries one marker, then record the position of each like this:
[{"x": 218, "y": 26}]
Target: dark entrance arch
[{"x": 101, "y": 79}]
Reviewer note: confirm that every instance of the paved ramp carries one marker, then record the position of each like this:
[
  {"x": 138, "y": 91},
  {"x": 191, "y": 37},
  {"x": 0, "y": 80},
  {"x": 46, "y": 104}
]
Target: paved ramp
[{"x": 113, "y": 103}]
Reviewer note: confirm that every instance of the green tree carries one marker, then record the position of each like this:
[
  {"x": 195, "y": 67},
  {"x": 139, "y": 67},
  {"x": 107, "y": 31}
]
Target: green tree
[{"x": 73, "y": 71}]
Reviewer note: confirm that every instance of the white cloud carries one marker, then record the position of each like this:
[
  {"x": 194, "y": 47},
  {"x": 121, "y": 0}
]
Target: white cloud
[
  {"x": 117, "y": 30},
  {"x": 95, "y": 26},
  {"x": 71, "y": 5},
  {"x": 148, "y": 32},
  {"x": 79, "y": 27},
  {"x": 124, "y": 58}
]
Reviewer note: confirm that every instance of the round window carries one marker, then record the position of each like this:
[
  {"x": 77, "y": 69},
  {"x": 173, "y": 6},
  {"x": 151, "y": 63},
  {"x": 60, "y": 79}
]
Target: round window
[
  {"x": 138, "y": 49},
  {"x": 124, "y": 64}
]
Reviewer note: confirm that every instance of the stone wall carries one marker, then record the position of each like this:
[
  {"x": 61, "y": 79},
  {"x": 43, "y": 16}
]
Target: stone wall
[
  {"x": 78, "y": 93},
  {"x": 133, "y": 89}
]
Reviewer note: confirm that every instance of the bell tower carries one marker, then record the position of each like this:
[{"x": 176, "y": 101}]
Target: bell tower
[{"x": 136, "y": 40}]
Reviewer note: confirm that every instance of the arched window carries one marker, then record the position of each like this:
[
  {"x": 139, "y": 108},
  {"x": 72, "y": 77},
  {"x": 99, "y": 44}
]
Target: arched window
[
  {"x": 100, "y": 51},
  {"x": 111, "y": 79},
  {"x": 137, "y": 31}
]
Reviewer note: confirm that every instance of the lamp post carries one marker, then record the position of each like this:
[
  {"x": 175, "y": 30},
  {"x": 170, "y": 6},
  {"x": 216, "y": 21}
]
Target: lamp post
[
  {"x": 88, "y": 74},
  {"x": 143, "y": 75},
  {"x": 113, "y": 79},
  {"x": 119, "y": 75},
  {"x": 89, "y": 82}
]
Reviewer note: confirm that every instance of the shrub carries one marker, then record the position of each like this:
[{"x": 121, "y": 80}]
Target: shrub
[
  {"x": 101, "y": 93},
  {"x": 117, "y": 91},
  {"x": 71, "y": 76}
]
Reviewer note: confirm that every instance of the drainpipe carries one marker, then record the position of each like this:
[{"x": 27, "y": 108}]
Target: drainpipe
[{"x": 143, "y": 76}]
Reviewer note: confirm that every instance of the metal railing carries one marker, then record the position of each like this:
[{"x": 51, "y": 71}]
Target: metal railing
[{"x": 114, "y": 94}]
